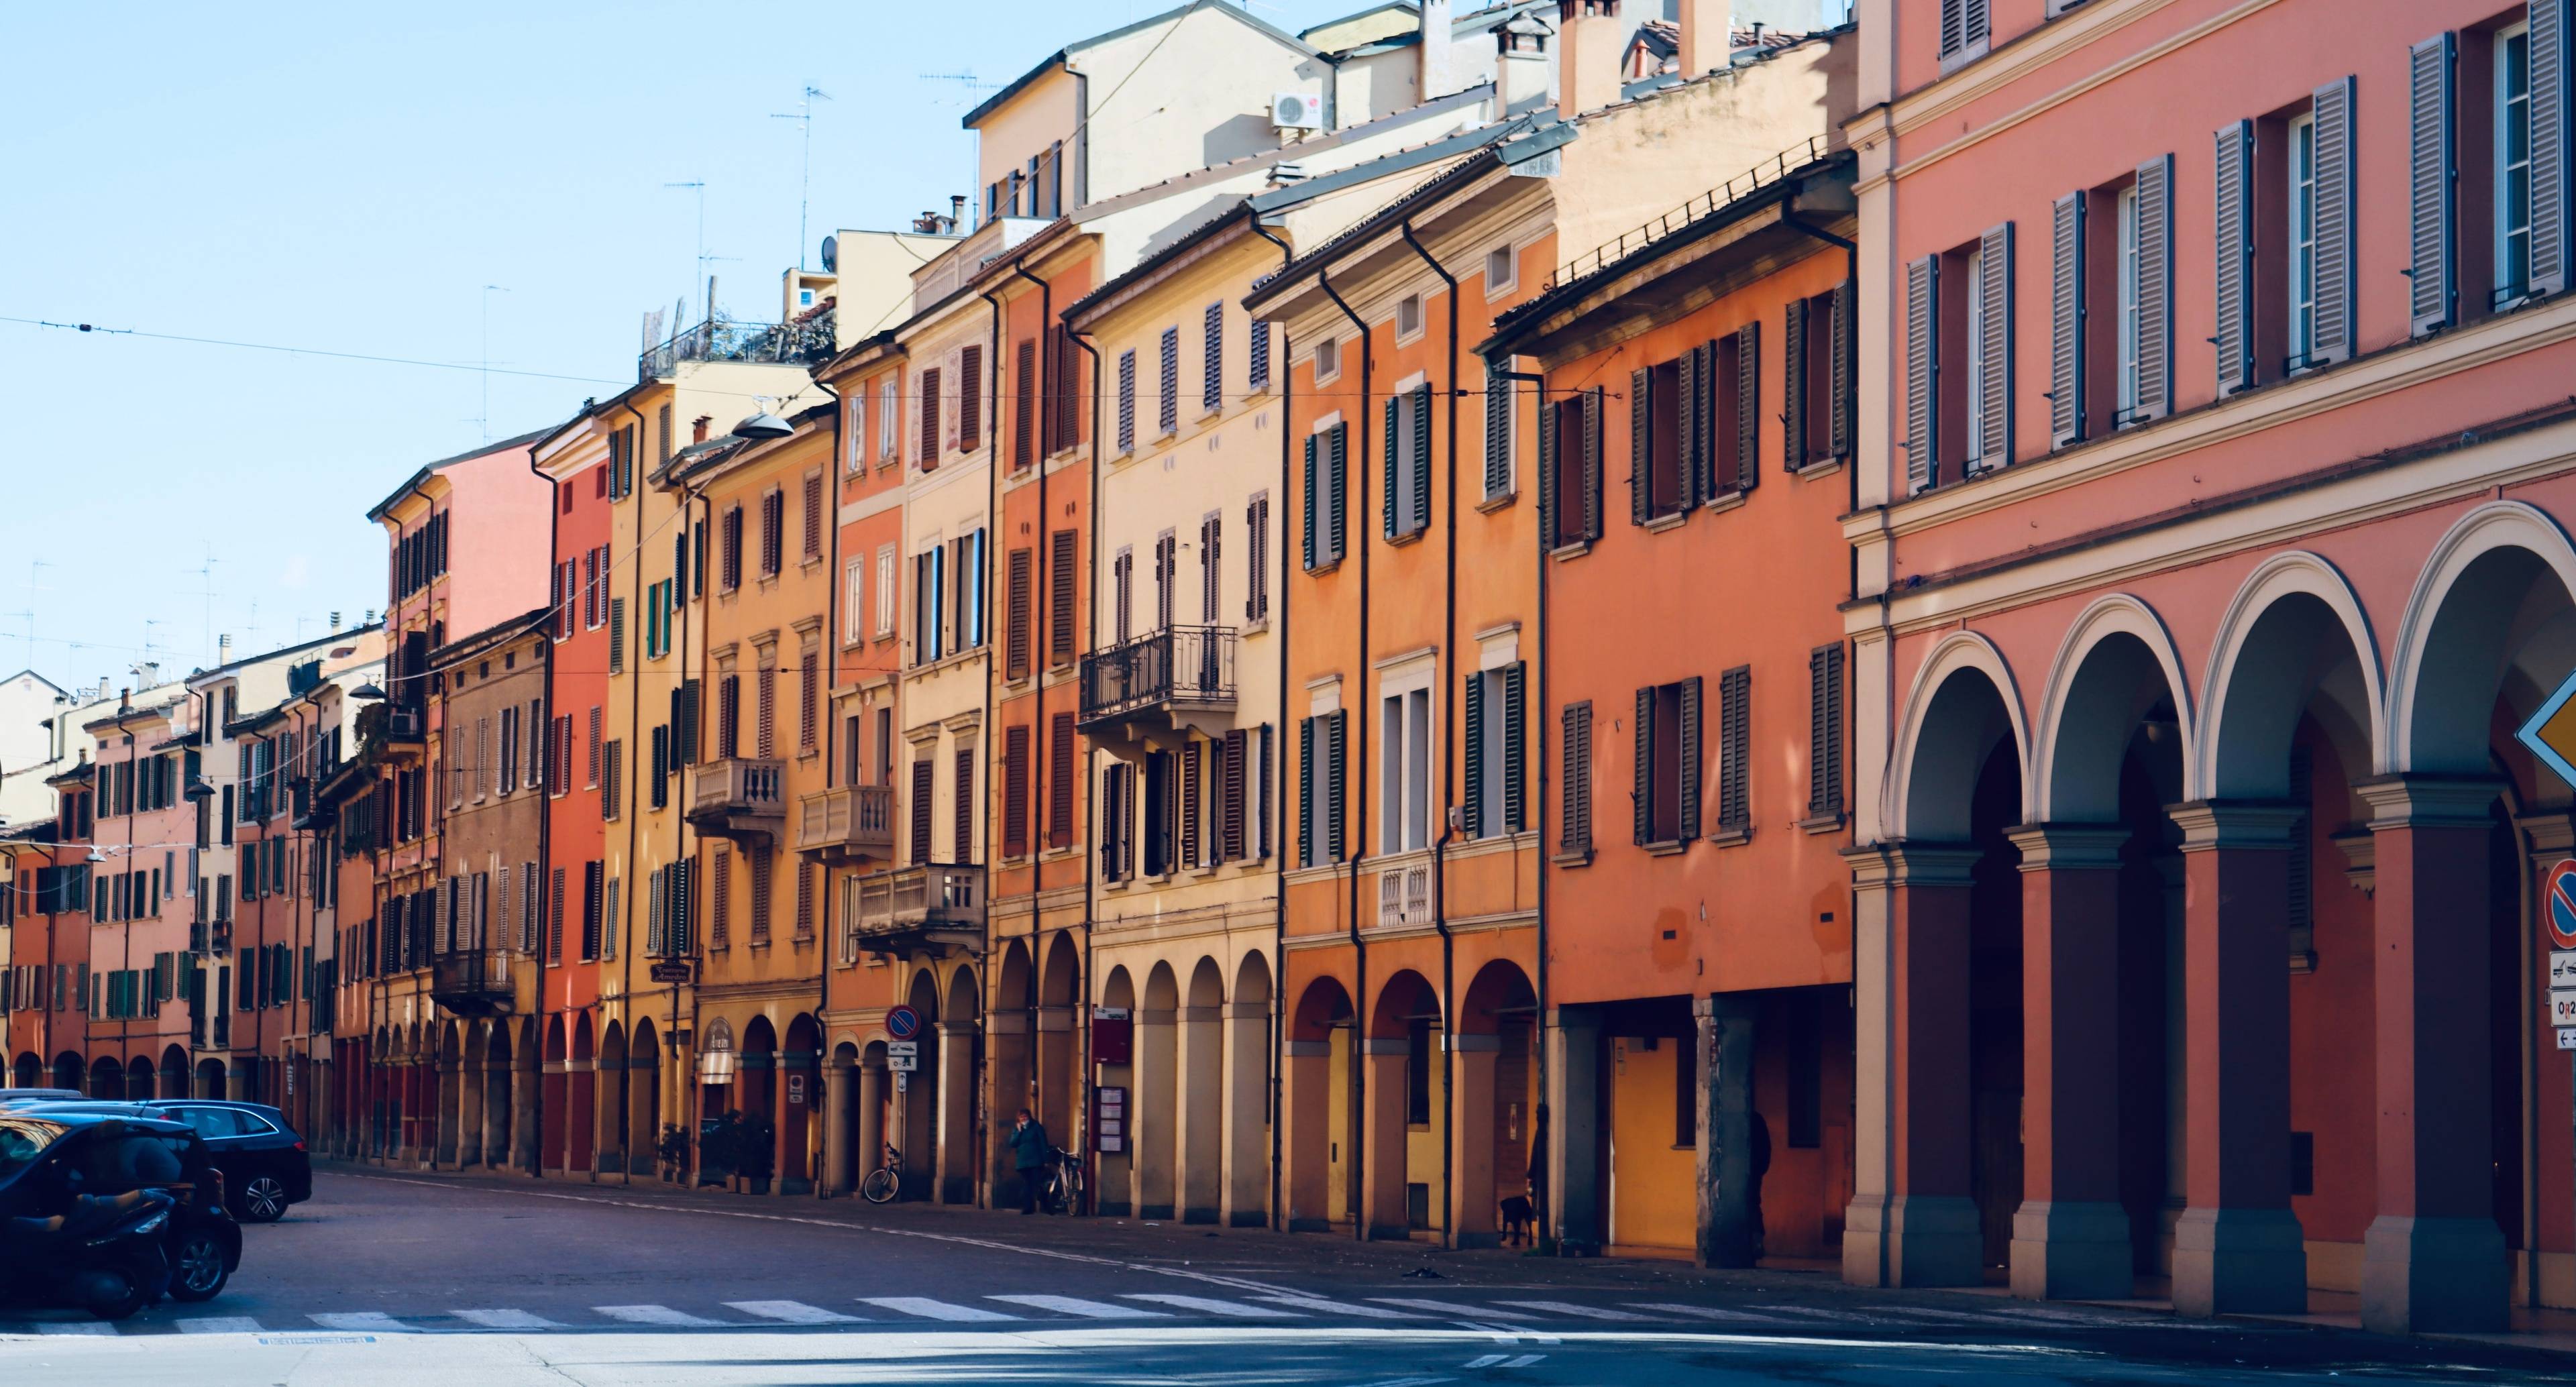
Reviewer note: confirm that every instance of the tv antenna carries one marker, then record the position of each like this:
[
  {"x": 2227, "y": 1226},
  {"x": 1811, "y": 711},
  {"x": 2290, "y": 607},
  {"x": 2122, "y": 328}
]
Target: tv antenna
[
  {"x": 966, "y": 80},
  {"x": 803, "y": 115}
]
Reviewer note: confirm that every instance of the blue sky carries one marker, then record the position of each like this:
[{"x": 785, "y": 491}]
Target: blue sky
[{"x": 349, "y": 178}]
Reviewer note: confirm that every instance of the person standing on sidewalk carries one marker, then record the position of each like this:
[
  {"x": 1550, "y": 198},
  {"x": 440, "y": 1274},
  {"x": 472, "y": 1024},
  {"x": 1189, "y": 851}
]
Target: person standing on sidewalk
[{"x": 1030, "y": 1151}]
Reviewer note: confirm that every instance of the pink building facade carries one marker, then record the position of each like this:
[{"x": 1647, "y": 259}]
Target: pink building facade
[{"x": 2210, "y": 542}]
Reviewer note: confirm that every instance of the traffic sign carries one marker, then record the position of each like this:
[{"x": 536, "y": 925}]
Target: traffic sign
[
  {"x": 913, "y": 1047},
  {"x": 2551, "y": 733},
  {"x": 2562, "y": 1008},
  {"x": 2562, "y": 906},
  {"x": 904, "y": 1064},
  {"x": 2567, "y": 1037},
  {"x": 2562, "y": 969},
  {"x": 902, "y": 1022}
]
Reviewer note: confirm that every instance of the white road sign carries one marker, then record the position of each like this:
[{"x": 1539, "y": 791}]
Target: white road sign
[
  {"x": 2562, "y": 1008},
  {"x": 913, "y": 1047},
  {"x": 904, "y": 1064},
  {"x": 2562, "y": 968}
]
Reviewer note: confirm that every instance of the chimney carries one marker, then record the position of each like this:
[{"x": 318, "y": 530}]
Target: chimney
[
  {"x": 1587, "y": 55},
  {"x": 1435, "y": 51},
  {"x": 698, "y": 428},
  {"x": 224, "y": 648},
  {"x": 1705, "y": 41},
  {"x": 956, "y": 210},
  {"x": 1520, "y": 64}
]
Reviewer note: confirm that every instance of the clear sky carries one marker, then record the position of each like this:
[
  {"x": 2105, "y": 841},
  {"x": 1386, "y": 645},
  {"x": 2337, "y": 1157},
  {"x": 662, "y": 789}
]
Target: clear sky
[{"x": 349, "y": 178}]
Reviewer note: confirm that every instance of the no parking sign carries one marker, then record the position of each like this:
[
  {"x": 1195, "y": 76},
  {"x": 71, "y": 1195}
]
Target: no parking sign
[
  {"x": 904, "y": 1023},
  {"x": 2562, "y": 905}
]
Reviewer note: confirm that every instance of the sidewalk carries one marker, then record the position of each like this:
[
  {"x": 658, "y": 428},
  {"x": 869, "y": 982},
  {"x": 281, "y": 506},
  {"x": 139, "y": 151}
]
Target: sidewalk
[{"x": 2541, "y": 1342}]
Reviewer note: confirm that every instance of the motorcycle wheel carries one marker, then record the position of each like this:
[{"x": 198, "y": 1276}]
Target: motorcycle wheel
[
  {"x": 124, "y": 1290},
  {"x": 197, "y": 1270}
]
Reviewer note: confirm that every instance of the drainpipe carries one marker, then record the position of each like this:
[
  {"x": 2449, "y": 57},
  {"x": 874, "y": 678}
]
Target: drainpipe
[
  {"x": 831, "y": 747},
  {"x": 980, "y": 1121},
  {"x": 1359, "y": 840},
  {"x": 1279, "y": 887},
  {"x": 1090, "y": 765},
  {"x": 1539, "y": 929},
  {"x": 1037, "y": 667},
  {"x": 1448, "y": 756}
]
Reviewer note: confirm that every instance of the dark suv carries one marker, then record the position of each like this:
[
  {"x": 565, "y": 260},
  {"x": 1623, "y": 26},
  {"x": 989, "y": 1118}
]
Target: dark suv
[{"x": 265, "y": 1165}]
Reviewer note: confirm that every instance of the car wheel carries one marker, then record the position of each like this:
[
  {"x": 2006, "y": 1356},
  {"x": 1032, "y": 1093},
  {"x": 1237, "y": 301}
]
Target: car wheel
[
  {"x": 198, "y": 1273},
  {"x": 262, "y": 1200}
]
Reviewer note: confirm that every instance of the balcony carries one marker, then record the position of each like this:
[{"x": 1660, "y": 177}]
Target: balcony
[
  {"x": 938, "y": 907},
  {"x": 1151, "y": 692},
  {"x": 474, "y": 982},
  {"x": 801, "y": 343},
  {"x": 848, "y": 826},
  {"x": 1404, "y": 896},
  {"x": 740, "y": 798}
]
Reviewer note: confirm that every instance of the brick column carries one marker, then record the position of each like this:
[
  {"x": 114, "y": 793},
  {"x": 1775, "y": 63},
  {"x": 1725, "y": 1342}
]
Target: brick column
[
  {"x": 2433, "y": 1260},
  {"x": 2070, "y": 1236},
  {"x": 1911, "y": 1220},
  {"x": 2237, "y": 1248}
]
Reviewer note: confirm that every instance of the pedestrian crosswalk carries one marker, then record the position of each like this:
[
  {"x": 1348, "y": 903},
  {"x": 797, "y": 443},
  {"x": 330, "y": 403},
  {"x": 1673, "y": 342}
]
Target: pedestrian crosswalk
[{"x": 1032, "y": 1310}]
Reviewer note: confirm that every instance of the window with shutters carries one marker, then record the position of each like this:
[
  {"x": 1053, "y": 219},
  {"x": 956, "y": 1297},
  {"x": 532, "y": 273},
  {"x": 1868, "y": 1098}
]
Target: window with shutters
[
  {"x": 1256, "y": 533},
  {"x": 719, "y": 897},
  {"x": 928, "y": 456},
  {"x": 1060, "y": 409},
  {"x": 1320, "y": 788},
  {"x": 1018, "y": 597},
  {"x": 854, "y": 610},
  {"x": 1212, "y": 363},
  {"x": 1812, "y": 428},
  {"x": 1570, "y": 469},
  {"x": 1015, "y": 791},
  {"x": 1157, "y": 846},
  {"x": 1211, "y": 566},
  {"x": 773, "y": 532},
  {"x": 1405, "y": 491},
  {"x": 1404, "y": 771},
  {"x": 1574, "y": 784},
  {"x": 1657, "y": 447},
  {"x": 594, "y": 907},
  {"x": 805, "y": 892},
  {"x": 611, "y": 778},
  {"x": 814, "y": 516},
  {"x": 1024, "y": 404},
  {"x": 658, "y": 791},
  {"x": 2303, "y": 238},
  {"x": 1824, "y": 736},
  {"x": 809, "y": 698},
  {"x": 1496, "y": 752},
  {"x": 2129, "y": 308},
  {"x": 889, "y": 419},
  {"x": 962, "y": 833},
  {"x": 1230, "y": 832},
  {"x": 1127, "y": 401},
  {"x": 1965, "y": 32},
  {"x": 1166, "y": 578},
  {"x": 1060, "y": 781},
  {"x": 2514, "y": 188},
  {"x": 1063, "y": 558},
  {"x": 1256, "y": 358},
  {"x": 1501, "y": 394},
  {"x": 1327, "y": 475},
  {"x": 765, "y": 707},
  {"x": 1734, "y": 754},
  {"x": 760, "y": 863},
  {"x": 1167, "y": 416},
  {"x": 731, "y": 550},
  {"x": 1667, "y": 764},
  {"x": 888, "y": 601},
  {"x": 970, "y": 396}
]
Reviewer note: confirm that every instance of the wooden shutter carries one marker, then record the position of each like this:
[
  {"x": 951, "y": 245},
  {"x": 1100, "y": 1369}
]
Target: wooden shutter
[
  {"x": 1192, "y": 763},
  {"x": 1922, "y": 364},
  {"x": 2333, "y": 194},
  {"x": 1641, "y": 796},
  {"x": 970, "y": 396},
  {"x": 963, "y": 830},
  {"x": 1843, "y": 349},
  {"x": 1337, "y": 445},
  {"x": 1515, "y": 747},
  {"x": 1421, "y": 458},
  {"x": 1793, "y": 386},
  {"x": 1307, "y": 848},
  {"x": 1336, "y": 781},
  {"x": 1592, "y": 402},
  {"x": 814, "y": 516},
  {"x": 1690, "y": 425},
  {"x": 1024, "y": 406},
  {"x": 616, "y": 635},
  {"x": 1168, "y": 413},
  {"x": 554, "y": 917},
  {"x": 1127, "y": 401},
  {"x": 1747, "y": 386},
  {"x": 1498, "y": 426},
  {"x": 1312, "y": 496},
  {"x": 1015, "y": 619},
  {"x": 1549, "y": 502},
  {"x": 1212, "y": 378},
  {"x": 1060, "y": 598},
  {"x": 1211, "y": 560},
  {"x": 1060, "y": 781},
  {"x": 2066, "y": 314},
  {"x": 1166, "y": 576},
  {"x": 2550, "y": 201},
  {"x": 1825, "y": 732},
  {"x": 2432, "y": 185},
  {"x": 1575, "y": 823},
  {"x": 1230, "y": 792},
  {"x": 2233, "y": 187},
  {"x": 1256, "y": 587},
  {"x": 923, "y": 774},
  {"x": 1964, "y": 29},
  {"x": 930, "y": 419},
  {"x": 1735, "y": 750},
  {"x": 1256, "y": 362},
  {"x": 1641, "y": 447},
  {"x": 1386, "y": 494},
  {"x": 2155, "y": 288},
  {"x": 1472, "y": 810},
  {"x": 1686, "y": 770},
  {"x": 1994, "y": 405},
  {"x": 1015, "y": 791}
]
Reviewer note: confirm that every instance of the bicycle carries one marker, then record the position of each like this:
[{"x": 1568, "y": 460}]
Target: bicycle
[
  {"x": 1064, "y": 1184},
  {"x": 886, "y": 1181}
]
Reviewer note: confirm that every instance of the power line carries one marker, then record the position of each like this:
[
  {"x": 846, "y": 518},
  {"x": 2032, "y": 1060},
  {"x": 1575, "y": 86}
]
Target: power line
[{"x": 307, "y": 351}]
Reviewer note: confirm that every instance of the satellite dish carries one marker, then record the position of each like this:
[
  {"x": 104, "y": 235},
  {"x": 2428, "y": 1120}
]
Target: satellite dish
[{"x": 831, "y": 255}]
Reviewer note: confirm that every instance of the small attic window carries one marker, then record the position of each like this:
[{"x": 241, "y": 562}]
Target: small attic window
[
  {"x": 1408, "y": 316},
  {"x": 1328, "y": 358}
]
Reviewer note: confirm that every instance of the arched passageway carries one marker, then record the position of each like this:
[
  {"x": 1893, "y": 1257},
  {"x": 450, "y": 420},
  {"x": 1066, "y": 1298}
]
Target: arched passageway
[
  {"x": 1315, "y": 1106},
  {"x": 1404, "y": 1111}
]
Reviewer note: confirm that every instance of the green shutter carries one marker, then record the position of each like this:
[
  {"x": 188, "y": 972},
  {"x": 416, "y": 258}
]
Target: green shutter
[
  {"x": 1386, "y": 500},
  {"x": 1687, "y": 772},
  {"x": 1422, "y": 458},
  {"x": 1642, "y": 794},
  {"x": 1641, "y": 447},
  {"x": 1515, "y": 749},
  {"x": 1306, "y": 856},
  {"x": 1310, "y": 502},
  {"x": 1473, "y": 811}
]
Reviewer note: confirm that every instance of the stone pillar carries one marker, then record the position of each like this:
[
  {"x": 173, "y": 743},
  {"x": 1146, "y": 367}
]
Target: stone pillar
[
  {"x": 608, "y": 1124},
  {"x": 1153, "y": 1112},
  {"x": 2070, "y": 1235},
  {"x": 956, "y": 1112},
  {"x": 1199, "y": 1137},
  {"x": 2237, "y": 1248},
  {"x": 1571, "y": 1205},
  {"x": 1730, "y": 1221},
  {"x": 1383, "y": 1060},
  {"x": 1246, "y": 1200},
  {"x": 1006, "y": 1065},
  {"x": 495, "y": 1107},
  {"x": 1911, "y": 1220},
  {"x": 468, "y": 1079},
  {"x": 2433, "y": 1260},
  {"x": 1471, "y": 1140},
  {"x": 450, "y": 1113},
  {"x": 835, "y": 1177},
  {"x": 872, "y": 1133},
  {"x": 525, "y": 1133},
  {"x": 1059, "y": 1098},
  {"x": 1306, "y": 1142}
]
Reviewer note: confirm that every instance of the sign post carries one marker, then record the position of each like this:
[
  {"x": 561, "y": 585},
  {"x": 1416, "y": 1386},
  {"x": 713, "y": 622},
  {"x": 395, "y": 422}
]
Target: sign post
[{"x": 2550, "y": 736}]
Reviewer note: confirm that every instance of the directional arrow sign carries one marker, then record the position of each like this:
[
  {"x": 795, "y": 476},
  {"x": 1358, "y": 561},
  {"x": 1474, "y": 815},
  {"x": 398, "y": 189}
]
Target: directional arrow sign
[{"x": 2551, "y": 733}]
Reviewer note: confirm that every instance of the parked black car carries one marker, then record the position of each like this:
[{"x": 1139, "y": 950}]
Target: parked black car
[
  {"x": 74, "y": 1166},
  {"x": 264, "y": 1162}
]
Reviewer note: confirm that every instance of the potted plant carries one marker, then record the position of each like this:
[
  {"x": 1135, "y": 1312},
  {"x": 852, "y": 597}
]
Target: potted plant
[
  {"x": 672, "y": 1150},
  {"x": 720, "y": 1149}
]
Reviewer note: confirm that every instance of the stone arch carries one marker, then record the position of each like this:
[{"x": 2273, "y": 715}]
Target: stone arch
[
  {"x": 1252, "y": 983},
  {"x": 1060, "y": 984},
  {"x": 2491, "y": 609},
  {"x": 69, "y": 1072},
  {"x": 2277, "y": 646},
  {"x": 1014, "y": 981},
  {"x": 1314, "y": 1179},
  {"x": 2115, "y": 664},
  {"x": 1963, "y": 700},
  {"x": 27, "y": 1071}
]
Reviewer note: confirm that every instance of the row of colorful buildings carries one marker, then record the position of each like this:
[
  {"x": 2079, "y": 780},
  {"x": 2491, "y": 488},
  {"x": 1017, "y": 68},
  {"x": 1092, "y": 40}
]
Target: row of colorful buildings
[{"x": 1166, "y": 649}]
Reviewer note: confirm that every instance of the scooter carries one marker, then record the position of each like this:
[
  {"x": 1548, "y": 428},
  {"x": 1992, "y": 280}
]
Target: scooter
[{"x": 105, "y": 1256}]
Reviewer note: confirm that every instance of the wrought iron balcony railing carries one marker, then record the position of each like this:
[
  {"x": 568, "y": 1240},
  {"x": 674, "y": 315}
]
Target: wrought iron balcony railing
[
  {"x": 1191, "y": 665},
  {"x": 797, "y": 343},
  {"x": 474, "y": 982}
]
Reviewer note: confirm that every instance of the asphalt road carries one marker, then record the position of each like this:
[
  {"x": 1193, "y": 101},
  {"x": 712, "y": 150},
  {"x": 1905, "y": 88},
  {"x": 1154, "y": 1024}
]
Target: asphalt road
[{"x": 399, "y": 1279}]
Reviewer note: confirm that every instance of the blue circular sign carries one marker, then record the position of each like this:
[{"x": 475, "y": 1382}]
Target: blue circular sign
[
  {"x": 902, "y": 1022},
  {"x": 2562, "y": 905}
]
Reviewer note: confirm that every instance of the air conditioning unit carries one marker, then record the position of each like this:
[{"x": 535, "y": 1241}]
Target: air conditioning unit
[{"x": 1296, "y": 111}]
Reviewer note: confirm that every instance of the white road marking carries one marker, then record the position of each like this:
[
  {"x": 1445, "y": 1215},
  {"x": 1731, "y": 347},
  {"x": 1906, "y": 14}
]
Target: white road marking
[
  {"x": 1487, "y": 1361},
  {"x": 220, "y": 1324},
  {"x": 1447, "y": 1309},
  {"x": 1337, "y": 1307},
  {"x": 1564, "y": 1307},
  {"x": 375, "y": 1321},
  {"x": 1087, "y": 1309},
  {"x": 1705, "y": 1312},
  {"x": 1406, "y": 1381},
  {"x": 1525, "y": 1360},
  {"x": 658, "y": 1314},
  {"x": 792, "y": 1312},
  {"x": 507, "y": 1319},
  {"x": 1209, "y": 1306},
  {"x": 929, "y": 1309}
]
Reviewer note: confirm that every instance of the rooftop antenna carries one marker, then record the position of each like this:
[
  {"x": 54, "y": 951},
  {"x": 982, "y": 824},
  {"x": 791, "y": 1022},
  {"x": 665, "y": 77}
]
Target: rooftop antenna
[
  {"x": 206, "y": 575},
  {"x": 803, "y": 115},
  {"x": 35, "y": 584},
  {"x": 485, "y": 417},
  {"x": 699, "y": 185},
  {"x": 964, "y": 78}
]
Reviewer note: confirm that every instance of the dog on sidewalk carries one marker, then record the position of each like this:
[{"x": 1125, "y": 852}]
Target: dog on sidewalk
[{"x": 1517, "y": 1213}]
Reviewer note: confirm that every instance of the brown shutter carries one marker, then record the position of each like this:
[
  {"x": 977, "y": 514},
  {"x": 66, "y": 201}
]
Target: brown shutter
[
  {"x": 930, "y": 419},
  {"x": 1691, "y": 376},
  {"x": 1575, "y": 826},
  {"x": 2066, "y": 313},
  {"x": 1922, "y": 381},
  {"x": 1641, "y": 447},
  {"x": 2334, "y": 173},
  {"x": 1015, "y": 631},
  {"x": 1748, "y": 407},
  {"x": 970, "y": 396},
  {"x": 814, "y": 516},
  {"x": 1060, "y": 597},
  {"x": 1793, "y": 386},
  {"x": 1995, "y": 407},
  {"x": 2155, "y": 289},
  {"x": 923, "y": 774},
  {"x": 1844, "y": 351},
  {"x": 1060, "y": 781},
  {"x": 964, "y": 828},
  {"x": 1686, "y": 760},
  {"x": 1592, "y": 401},
  {"x": 1024, "y": 407},
  {"x": 2233, "y": 188},
  {"x": 1015, "y": 791}
]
